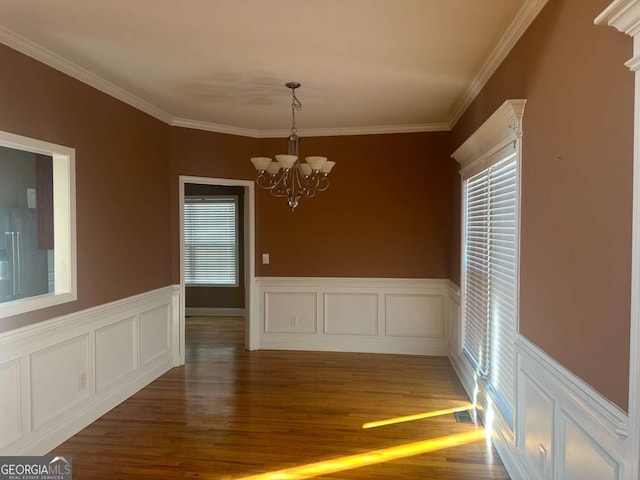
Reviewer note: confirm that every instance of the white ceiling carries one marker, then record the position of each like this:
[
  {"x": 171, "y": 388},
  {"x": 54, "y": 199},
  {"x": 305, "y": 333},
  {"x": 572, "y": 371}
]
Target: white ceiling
[{"x": 366, "y": 66}]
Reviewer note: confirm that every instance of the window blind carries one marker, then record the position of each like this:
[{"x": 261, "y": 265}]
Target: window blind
[
  {"x": 476, "y": 270},
  {"x": 210, "y": 241},
  {"x": 490, "y": 262}
]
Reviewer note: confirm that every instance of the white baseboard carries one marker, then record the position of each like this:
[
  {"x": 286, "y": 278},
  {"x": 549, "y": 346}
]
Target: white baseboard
[
  {"x": 214, "y": 312},
  {"x": 400, "y": 316},
  {"x": 93, "y": 360},
  {"x": 564, "y": 429}
]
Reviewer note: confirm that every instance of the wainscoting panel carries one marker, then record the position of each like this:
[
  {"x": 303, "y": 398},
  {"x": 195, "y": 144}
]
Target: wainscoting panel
[
  {"x": 60, "y": 375},
  {"x": 10, "y": 424},
  {"x": 290, "y": 312},
  {"x": 59, "y": 379},
  {"x": 583, "y": 457},
  {"x": 537, "y": 426},
  {"x": 415, "y": 315},
  {"x": 116, "y": 352},
  {"x": 351, "y": 313},
  {"x": 407, "y": 316},
  {"x": 455, "y": 328},
  {"x": 564, "y": 429},
  {"x": 155, "y": 326}
]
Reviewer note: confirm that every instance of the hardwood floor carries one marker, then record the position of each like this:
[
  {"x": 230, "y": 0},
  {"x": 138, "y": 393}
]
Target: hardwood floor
[{"x": 233, "y": 414}]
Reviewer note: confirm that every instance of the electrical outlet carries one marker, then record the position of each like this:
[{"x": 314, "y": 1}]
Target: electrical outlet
[
  {"x": 293, "y": 320},
  {"x": 82, "y": 381},
  {"x": 265, "y": 259}
]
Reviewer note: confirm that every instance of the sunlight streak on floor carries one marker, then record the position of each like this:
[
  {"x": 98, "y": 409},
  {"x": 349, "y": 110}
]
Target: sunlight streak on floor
[
  {"x": 418, "y": 416},
  {"x": 370, "y": 458}
]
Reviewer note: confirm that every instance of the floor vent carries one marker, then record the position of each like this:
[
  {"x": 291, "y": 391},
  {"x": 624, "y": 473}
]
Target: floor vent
[{"x": 465, "y": 416}]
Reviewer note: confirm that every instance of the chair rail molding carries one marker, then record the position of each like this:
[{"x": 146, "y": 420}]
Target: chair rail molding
[{"x": 624, "y": 15}]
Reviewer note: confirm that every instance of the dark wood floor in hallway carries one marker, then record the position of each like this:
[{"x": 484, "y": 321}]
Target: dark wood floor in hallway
[{"x": 233, "y": 414}]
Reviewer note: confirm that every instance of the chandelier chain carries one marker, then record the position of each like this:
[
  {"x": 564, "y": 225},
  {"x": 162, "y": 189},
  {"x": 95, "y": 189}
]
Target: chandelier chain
[{"x": 295, "y": 105}]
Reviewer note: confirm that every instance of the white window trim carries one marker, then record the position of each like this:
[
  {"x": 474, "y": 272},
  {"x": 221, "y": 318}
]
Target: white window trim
[
  {"x": 64, "y": 217},
  {"x": 190, "y": 199},
  {"x": 486, "y": 146}
]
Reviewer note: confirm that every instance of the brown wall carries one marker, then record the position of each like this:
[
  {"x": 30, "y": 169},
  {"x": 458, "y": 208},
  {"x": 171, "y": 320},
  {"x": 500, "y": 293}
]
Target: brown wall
[
  {"x": 387, "y": 212},
  {"x": 576, "y": 210},
  {"x": 122, "y": 179}
]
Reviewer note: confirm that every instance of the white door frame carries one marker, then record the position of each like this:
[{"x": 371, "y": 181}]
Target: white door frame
[{"x": 251, "y": 312}]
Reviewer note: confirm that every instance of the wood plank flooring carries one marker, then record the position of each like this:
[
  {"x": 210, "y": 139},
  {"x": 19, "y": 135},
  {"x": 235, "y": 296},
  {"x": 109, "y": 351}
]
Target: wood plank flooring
[{"x": 233, "y": 414}]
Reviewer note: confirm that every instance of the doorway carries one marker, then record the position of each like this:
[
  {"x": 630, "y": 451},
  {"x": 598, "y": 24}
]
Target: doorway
[{"x": 247, "y": 276}]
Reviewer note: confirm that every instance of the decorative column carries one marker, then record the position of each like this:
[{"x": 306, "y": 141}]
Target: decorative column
[{"x": 624, "y": 15}]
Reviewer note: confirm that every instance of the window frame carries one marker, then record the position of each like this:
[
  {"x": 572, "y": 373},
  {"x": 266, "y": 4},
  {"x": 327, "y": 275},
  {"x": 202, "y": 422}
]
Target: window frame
[
  {"x": 64, "y": 219},
  {"x": 498, "y": 355},
  {"x": 485, "y": 147},
  {"x": 218, "y": 199}
]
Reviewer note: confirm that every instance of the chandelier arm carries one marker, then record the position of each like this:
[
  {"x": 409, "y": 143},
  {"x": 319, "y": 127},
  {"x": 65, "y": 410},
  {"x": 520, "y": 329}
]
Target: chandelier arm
[
  {"x": 265, "y": 181},
  {"x": 281, "y": 188},
  {"x": 323, "y": 184}
]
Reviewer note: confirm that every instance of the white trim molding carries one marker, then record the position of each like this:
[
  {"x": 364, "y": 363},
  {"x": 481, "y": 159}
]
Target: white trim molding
[
  {"x": 501, "y": 128},
  {"x": 525, "y": 17},
  {"x": 374, "y": 315},
  {"x": 252, "y": 331},
  {"x": 598, "y": 407},
  {"x": 624, "y": 15},
  {"x": 310, "y": 132},
  {"x": 60, "y": 375},
  {"x": 53, "y": 60},
  {"x": 64, "y": 221}
]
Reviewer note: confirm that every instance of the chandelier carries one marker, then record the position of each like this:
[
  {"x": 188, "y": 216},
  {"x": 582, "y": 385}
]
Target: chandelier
[{"x": 287, "y": 176}]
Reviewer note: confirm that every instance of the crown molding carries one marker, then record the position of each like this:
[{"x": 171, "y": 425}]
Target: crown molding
[
  {"x": 501, "y": 128},
  {"x": 217, "y": 127},
  {"x": 624, "y": 15},
  {"x": 371, "y": 130},
  {"x": 310, "y": 132},
  {"x": 519, "y": 25},
  {"x": 524, "y": 18},
  {"x": 41, "y": 54}
]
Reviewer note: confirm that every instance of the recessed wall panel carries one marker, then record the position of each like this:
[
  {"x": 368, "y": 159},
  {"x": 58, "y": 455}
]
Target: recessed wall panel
[
  {"x": 10, "y": 407},
  {"x": 351, "y": 313},
  {"x": 290, "y": 312},
  {"x": 583, "y": 457},
  {"x": 537, "y": 415},
  {"x": 59, "y": 379},
  {"x": 154, "y": 333},
  {"x": 115, "y": 352},
  {"x": 414, "y": 315}
]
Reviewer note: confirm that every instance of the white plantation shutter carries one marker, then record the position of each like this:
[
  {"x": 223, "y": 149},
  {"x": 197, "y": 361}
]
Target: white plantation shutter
[
  {"x": 491, "y": 276},
  {"x": 210, "y": 241}
]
